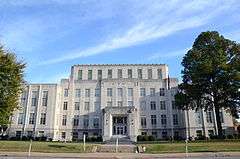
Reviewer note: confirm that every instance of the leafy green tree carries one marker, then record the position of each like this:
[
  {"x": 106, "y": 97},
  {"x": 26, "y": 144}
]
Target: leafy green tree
[
  {"x": 11, "y": 82},
  {"x": 211, "y": 76}
]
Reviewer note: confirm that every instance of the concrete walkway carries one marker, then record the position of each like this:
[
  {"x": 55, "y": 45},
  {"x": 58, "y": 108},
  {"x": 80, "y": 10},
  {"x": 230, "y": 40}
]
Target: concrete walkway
[{"x": 229, "y": 155}]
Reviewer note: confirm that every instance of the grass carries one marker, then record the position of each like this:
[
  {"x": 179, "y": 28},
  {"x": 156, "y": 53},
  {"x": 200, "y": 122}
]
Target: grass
[
  {"x": 221, "y": 146},
  {"x": 47, "y": 147}
]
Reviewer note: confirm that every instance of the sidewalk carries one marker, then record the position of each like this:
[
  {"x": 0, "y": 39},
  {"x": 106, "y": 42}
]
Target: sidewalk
[{"x": 119, "y": 155}]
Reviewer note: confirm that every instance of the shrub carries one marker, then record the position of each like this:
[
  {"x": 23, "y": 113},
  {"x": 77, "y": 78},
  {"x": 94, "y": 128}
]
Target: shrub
[
  {"x": 151, "y": 138},
  {"x": 230, "y": 137}
]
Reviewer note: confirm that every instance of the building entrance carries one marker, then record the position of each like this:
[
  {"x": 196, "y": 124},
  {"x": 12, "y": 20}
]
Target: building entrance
[{"x": 119, "y": 125}]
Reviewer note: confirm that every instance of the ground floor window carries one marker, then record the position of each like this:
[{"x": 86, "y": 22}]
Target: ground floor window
[
  {"x": 199, "y": 133},
  {"x": 18, "y": 134},
  {"x": 63, "y": 135},
  {"x": 75, "y": 135}
]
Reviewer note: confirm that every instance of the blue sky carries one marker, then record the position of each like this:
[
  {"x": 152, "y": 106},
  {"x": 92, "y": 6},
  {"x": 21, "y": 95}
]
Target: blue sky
[{"x": 52, "y": 35}]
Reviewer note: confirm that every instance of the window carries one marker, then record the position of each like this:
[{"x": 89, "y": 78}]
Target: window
[
  {"x": 174, "y": 105},
  {"x": 79, "y": 74},
  {"x": 120, "y": 103},
  {"x": 77, "y": 93},
  {"x": 63, "y": 135},
  {"x": 199, "y": 133},
  {"x": 76, "y": 120},
  {"x": 130, "y": 103},
  {"x": 45, "y": 98},
  {"x": 96, "y": 123},
  {"x": 142, "y": 92},
  {"x": 164, "y": 134},
  {"x": 32, "y": 118},
  {"x": 209, "y": 116},
  {"x": 34, "y": 98},
  {"x": 99, "y": 74},
  {"x": 96, "y": 106},
  {"x": 64, "y": 120},
  {"x": 149, "y": 73},
  {"x": 75, "y": 135},
  {"x": 154, "y": 120},
  {"x": 89, "y": 74},
  {"x": 153, "y": 105},
  {"x": 198, "y": 117},
  {"x": 143, "y": 122},
  {"x": 159, "y": 73},
  {"x": 119, "y": 73},
  {"x": 40, "y": 133},
  {"x": 164, "y": 119},
  {"x": 109, "y": 92},
  {"x": 109, "y": 74},
  {"x": 77, "y": 105},
  {"x": 87, "y": 106},
  {"x": 65, "y": 105},
  {"x": 152, "y": 91},
  {"x": 162, "y": 105},
  {"x": 87, "y": 92},
  {"x": 18, "y": 134},
  {"x": 175, "y": 119},
  {"x": 65, "y": 92},
  {"x": 120, "y": 92},
  {"x": 109, "y": 103},
  {"x": 130, "y": 92},
  {"x": 221, "y": 116},
  {"x": 140, "y": 73},
  {"x": 162, "y": 92},
  {"x": 23, "y": 98},
  {"x": 129, "y": 73},
  {"x": 143, "y": 105},
  {"x": 43, "y": 119},
  {"x": 29, "y": 134},
  {"x": 20, "y": 118},
  {"x": 210, "y": 133},
  {"x": 85, "y": 121},
  {"x": 97, "y": 92}
]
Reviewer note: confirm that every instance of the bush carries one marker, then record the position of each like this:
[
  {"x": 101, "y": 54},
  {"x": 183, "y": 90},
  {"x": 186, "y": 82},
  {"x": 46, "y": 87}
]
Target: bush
[
  {"x": 200, "y": 137},
  {"x": 145, "y": 138},
  {"x": 230, "y": 137},
  {"x": 151, "y": 138},
  {"x": 94, "y": 139}
]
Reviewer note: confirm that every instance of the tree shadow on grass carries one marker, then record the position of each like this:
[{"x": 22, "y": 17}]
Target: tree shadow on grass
[{"x": 56, "y": 146}]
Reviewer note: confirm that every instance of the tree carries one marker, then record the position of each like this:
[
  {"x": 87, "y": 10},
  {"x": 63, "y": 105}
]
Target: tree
[
  {"x": 11, "y": 82},
  {"x": 211, "y": 76}
]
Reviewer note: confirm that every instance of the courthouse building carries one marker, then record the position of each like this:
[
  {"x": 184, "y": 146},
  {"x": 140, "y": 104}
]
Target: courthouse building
[{"x": 119, "y": 100}]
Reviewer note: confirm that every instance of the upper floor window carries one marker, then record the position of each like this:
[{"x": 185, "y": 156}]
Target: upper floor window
[
  {"x": 198, "y": 117},
  {"x": 143, "y": 122},
  {"x": 99, "y": 74},
  {"x": 97, "y": 92},
  {"x": 130, "y": 103},
  {"x": 89, "y": 74},
  {"x": 97, "y": 106},
  {"x": 20, "y": 118},
  {"x": 76, "y": 120},
  {"x": 77, "y": 105},
  {"x": 96, "y": 122},
  {"x": 43, "y": 119},
  {"x": 164, "y": 119},
  {"x": 109, "y": 92},
  {"x": 34, "y": 98},
  {"x": 120, "y": 92},
  {"x": 159, "y": 72},
  {"x": 64, "y": 120},
  {"x": 23, "y": 98},
  {"x": 45, "y": 98},
  {"x": 162, "y": 92},
  {"x": 87, "y": 92},
  {"x": 221, "y": 116},
  {"x": 129, "y": 73},
  {"x": 162, "y": 105},
  {"x": 87, "y": 106},
  {"x": 65, "y": 105},
  {"x": 149, "y": 73},
  {"x": 154, "y": 120},
  {"x": 109, "y": 74},
  {"x": 153, "y": 105},
  {"x": 109, "y": 103},
  {"x": 119, "y": 73},
  {"x": 140, "y": 73},
  {"x": 130, "y": 92},
  {"x": 175, "y": 119},
  {"x": 120, "y": 103},
  {"x": 85, "y": 121},
  {"x": 152, "y": 91},
  {"x": 143, "y": 105},
  {"x": 209, "y": 116},
  {"x": 77, "y": 93},
  {"x": 142, "y": 92},
  {"x": 32, "y": 118},
  {"x": 79, "y": 74},
  {"x": 65, "y": 92}
]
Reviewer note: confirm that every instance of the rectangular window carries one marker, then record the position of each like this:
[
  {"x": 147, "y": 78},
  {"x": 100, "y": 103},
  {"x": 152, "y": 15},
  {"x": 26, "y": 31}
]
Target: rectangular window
[
  {"x": 18, "y": 134},
  {"x": 129, "y": 73},
  {"x": 164, "y": 134},
  {"x": 209, "y": 117},
  {"x": 96, "y": 123},
  {"x": 97, "y": 92},
  {"x": 130, "y": 103},
  {"x": 175, "y": 119},
  {"x": 77, "y": 105},
  {"x": 34, "y": 98},
  {"x": 109, "y": 103},
  {"x": 120, "y": 92},
  {"x": 140, "y": 73},
  {"x": 96, "y": 106},
  {"x": 87, "y": 106},
  {"x": 77, "y": 93},
  {"x": 199, "y": 133},
  {"x": 109, "y": 74},
  {"x": 79, "y": 74},
  {"x": 149, "y": 73},
  {"x": 162, "y": 92},
  {"x": 130, "y": 92},
  {"x": 143, "y": 122},
  {"x": 63, "y": 135},
  {"x": 153, "y": 105},
  {"x": 159, "y": 72},
  {"x": 43, "y": 119},
  {"x": 76, "y": 120},
  {"x": 164, "y": 119},
  {"x": 152, "y": 91},
  {"x": 221, "y": 116},
  {"x": 45, "y": 98},
  {"x": 109, "y": 92},
  {"x": 99, "y": 74},
  {"x": 162, "y": 105},
  {"x": 142, "y": 92},
  {"x": 32, "y": 118},
  {"x": 65, "y": 92},
  {"x": 198, "y": 117},
  {"x": 65, "y": 105},
  {"x": 120, "y": 103},
  {"x": 87, "y": 92},
  {"x": 143, "y": 105},
  {"x": 23, "y": 98},
  {"x": 75, "y": 136},
  {"x": 20, "y": 118},
  {"x": 64, "y": 120},
  {"x": 85, "y": 121},
  {"x": 154, "y": 120},
  {"x": 89, "y": 74},
  {"x": 174, "y": 105},
  {"x": 119, "y": 73}
]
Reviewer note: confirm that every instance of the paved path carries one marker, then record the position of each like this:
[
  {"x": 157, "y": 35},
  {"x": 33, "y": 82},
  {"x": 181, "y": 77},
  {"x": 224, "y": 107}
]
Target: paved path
[{"x": 36, "y": 155}]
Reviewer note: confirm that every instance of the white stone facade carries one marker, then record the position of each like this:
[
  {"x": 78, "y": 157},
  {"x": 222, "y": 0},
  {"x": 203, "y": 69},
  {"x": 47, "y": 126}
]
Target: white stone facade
[{"x": 123, "y": 100}]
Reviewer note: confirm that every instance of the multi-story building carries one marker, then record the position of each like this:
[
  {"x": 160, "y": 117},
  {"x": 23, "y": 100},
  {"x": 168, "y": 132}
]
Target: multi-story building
[{"x": 124, "y": 100}]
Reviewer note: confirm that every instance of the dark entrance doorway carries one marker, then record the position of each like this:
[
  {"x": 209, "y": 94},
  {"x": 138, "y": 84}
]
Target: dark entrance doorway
[{"x": 120, "y": 125}]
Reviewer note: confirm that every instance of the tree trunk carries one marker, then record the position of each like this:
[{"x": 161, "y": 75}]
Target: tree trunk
[{"x": 219, "y": 123}]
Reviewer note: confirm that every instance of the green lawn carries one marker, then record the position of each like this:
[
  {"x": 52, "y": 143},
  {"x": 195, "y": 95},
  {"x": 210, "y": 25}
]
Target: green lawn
[
  {"x": 58, "y": 147},
  {"x": 193, "y": 147}
]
